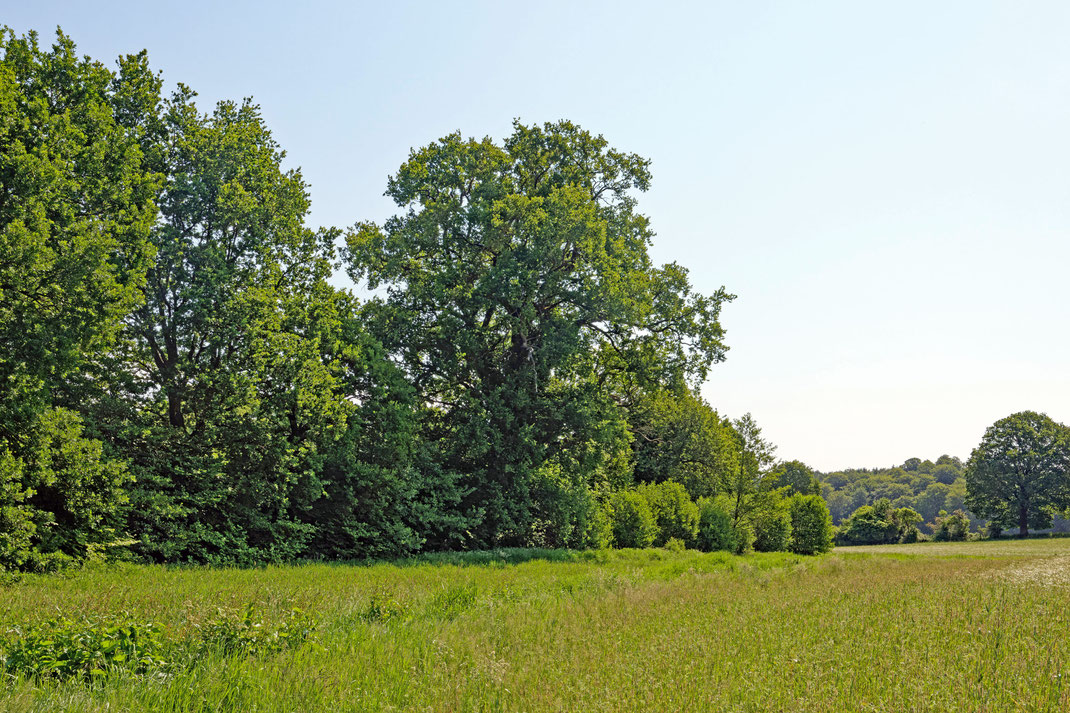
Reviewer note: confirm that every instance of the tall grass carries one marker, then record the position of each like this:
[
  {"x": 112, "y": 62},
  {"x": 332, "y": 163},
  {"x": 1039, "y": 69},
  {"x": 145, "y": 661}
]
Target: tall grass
[{"x": 880, "y": 630}]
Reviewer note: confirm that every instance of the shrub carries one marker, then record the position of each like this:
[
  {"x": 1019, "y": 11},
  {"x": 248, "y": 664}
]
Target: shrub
[
  {"x": 880, "y": 524},
  {"x": 598, "y": 533},
  {"x": 743, "y": 532},
  {"x": 675, "y": 544},
  {"x": 564, "y": 514},
  {"x": 811, "y": 525},
  {"x": 866, "y": 526},
  {"x": 951, "y": 528},
  {"x": 715, "y": 530},
  {"x": 772, "y": 526},
  {"x": 674, "y": 513},
  {"x": 632, "y": 522}
]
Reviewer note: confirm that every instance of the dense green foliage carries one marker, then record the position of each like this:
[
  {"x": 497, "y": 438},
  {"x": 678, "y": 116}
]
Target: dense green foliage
[
  {"x": 179, "y": 378},
  {"x": 1020, "y": 473},
  {"x": 926, "y": 487},
  {"x": 952, "y": 528},
  {"x": 632, "y": 521},
  {"x": 715, "y": 530},
  {"x": 772, "y": 527},
  {"x": 75, "y": 215},
  {"x": 811, "y": 525},
  {"x": 675, "y": 515},
  {"x": 521, "y": 303},
  {"x": 880, "y": 523},
  {"x": 88, "y": 649},
  {"x": 181, "y": 381}
]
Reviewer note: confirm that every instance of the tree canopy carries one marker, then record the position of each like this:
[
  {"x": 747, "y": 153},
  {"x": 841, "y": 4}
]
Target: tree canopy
[
  {"x": 521, "y": 302},
  {"x": 76, "y": 208},
  {"x": 1020, "y": 472}
]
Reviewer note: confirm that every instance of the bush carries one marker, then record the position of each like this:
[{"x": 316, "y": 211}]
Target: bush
[
  {"x": 675, "y": 544},
  {"x": 951, "y": 528},
  {"x": 993, "y": 530},
  {"x": 715, "y": 531},
  {"x": 564, "y": 514},
  {"x": 632, "y": 522},
  {"x": 772, "y": 526},
  {"x": 90, "y": 648},
  {"x": 674, "y": 513},
  {"x": 743, "y": 532},
  {"x": 880, "y": 524},
  {"x": 811, "y": 525}
]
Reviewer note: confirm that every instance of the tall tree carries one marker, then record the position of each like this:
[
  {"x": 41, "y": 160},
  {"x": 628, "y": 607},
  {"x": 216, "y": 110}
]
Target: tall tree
[
  {"x": 76, "y": 206},
  {"x": 524, "y": 307},
  {"x": 227, "y": 395},
  {"x": 756, "y": 457},
  {"x": 1020, "y": 472}
]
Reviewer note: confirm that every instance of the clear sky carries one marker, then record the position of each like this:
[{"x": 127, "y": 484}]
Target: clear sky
[{"x": 885, "y": 186}]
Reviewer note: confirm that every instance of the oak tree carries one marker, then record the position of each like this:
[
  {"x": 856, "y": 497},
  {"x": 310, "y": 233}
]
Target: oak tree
[{"x": 1020, "y": 472}]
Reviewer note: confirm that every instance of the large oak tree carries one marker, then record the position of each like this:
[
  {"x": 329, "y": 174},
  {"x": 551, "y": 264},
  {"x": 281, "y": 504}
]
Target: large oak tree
[
  {"x": 521, "y": 301},
  {"x": 1020, "y": 472}
]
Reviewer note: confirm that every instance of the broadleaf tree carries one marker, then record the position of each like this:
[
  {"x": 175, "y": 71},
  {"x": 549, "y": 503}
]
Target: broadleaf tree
[
  {"x": 1019, "y": 475},
  {"x": 524, "y": 308},
  {"x": 75, "y": 213}
]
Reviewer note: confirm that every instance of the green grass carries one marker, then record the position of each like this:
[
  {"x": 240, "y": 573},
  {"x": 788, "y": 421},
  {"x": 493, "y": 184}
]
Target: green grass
[{"x": 960, "y": 626}]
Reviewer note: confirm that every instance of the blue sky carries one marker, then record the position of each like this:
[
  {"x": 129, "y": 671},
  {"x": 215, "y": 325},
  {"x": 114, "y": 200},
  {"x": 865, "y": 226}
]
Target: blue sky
[{"x": 886, "y": 187}]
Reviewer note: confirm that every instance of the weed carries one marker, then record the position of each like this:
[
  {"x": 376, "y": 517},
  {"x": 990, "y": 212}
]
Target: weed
[{"x": 83, "y": 648}]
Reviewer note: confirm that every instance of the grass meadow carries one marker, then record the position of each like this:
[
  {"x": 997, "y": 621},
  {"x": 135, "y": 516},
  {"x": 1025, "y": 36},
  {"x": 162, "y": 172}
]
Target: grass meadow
[{"x": 932, "y": 627}]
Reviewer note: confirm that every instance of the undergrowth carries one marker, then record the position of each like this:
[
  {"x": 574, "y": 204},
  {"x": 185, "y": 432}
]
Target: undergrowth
[{"x": 90, "y": 648}]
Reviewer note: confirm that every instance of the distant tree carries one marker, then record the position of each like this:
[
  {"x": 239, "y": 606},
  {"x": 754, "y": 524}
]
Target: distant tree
[
  {"x": 946, "y": 473},
  {"x": 1020, "y": 472},
  {"x": 932, "y": 501},
  {"x": 838, "y": 506},
  {"x": 950, "y": 460},
  {"x": 956, "y": 495},
  {"x": 912, "y": 464},
  {"x": 836, "y": 480},
  {"x": 892, "y": 491},
  {"x": 796, "y": 476}
]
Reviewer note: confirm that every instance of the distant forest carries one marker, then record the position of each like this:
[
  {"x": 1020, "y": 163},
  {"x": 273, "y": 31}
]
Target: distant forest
[{"x": 925, "y": 486}]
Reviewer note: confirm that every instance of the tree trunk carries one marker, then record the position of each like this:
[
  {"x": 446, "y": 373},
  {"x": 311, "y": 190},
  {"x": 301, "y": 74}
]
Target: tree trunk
[
  {"x": 1023, "y": 521},
  {"x": 174, "y": 409}
]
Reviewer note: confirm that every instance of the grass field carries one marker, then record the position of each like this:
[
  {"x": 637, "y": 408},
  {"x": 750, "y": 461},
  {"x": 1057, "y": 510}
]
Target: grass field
[{"x": 965, "y": 627}]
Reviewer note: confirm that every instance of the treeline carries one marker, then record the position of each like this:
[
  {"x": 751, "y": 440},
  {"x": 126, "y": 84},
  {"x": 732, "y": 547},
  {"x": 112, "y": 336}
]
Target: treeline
[
  {"x": 922, "y": 499},
  {"x": 925, "y": 486},
  {"x": 180, "y": 381}
]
